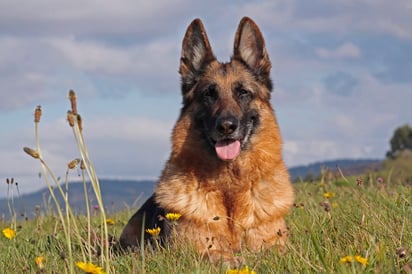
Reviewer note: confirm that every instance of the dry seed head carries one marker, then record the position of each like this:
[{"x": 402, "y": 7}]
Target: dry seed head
[
  {"x": 70, "y": 118},
  {"x": 82, "y": 165},
  {"x": 79, "y": 122},
  {"x": 33, "y": 153},
  {"x": 37, "y": 114},
  {"x": 73, "y": 164},
  {"x": 401, "y": 252},
  {"x": 73, "y": 102}
]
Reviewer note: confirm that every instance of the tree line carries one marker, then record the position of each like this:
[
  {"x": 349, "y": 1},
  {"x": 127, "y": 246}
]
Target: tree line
[{"x": 400, "y": 141}]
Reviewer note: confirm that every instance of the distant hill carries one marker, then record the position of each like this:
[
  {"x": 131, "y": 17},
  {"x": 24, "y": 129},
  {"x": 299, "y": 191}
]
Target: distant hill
[
  {"x": 116, "y": 194},
  {"x": 347, "y": 166},
  {"x": 119, "y": 194}
]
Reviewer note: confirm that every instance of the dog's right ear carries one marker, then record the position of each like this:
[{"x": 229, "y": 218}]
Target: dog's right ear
[{"x": 196, "y": 52}]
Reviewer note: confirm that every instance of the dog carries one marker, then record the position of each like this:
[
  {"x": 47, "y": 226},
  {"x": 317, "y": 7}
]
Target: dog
[{"x": 225, "y": 175}]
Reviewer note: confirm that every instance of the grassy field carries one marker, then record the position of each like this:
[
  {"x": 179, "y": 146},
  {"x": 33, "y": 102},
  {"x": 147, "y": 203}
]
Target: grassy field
[
  {"x": 332, "y": 219},
  {"x": 337, "y": 225}
]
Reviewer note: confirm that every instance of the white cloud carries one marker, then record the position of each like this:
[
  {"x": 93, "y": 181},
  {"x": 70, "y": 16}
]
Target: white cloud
[
  {"x": 92, "y": 17},
  {"x": 347, "y": 50},
  {"x": 339, "y": 17}
]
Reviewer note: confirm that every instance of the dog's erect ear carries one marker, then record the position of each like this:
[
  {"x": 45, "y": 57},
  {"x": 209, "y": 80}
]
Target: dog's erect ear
[
  {"x": 250, "y": 49},
  {"x": 196, "y": 52}
]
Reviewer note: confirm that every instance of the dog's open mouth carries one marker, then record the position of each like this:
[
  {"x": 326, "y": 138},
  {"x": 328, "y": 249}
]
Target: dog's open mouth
[{"x": 227, "y": 149}]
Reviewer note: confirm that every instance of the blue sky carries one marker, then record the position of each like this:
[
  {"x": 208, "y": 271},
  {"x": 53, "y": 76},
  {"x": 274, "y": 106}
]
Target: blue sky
[{"x": 342, "y": 72}]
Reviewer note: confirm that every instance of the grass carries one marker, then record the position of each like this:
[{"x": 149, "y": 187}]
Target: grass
[
  {"x": 337, "y": 225},
  {"x": 369, "y": 221}
]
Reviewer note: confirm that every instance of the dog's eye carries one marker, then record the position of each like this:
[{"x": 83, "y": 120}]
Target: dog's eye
[
  {"x": 244, "y": 94},
  {"x": 209, "y": 95}
]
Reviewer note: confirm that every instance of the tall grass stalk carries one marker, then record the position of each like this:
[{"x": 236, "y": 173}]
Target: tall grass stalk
[
  {"x": 10, "y": 202},
  {"x": 88, "y": 216},
  {"x": 67, "y": 219},
  {"x": 46, "y": 173},
  {"x": 75, "y": 123}
]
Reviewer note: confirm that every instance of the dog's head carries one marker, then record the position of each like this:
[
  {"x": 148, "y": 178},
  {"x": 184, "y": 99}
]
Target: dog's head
[{"x": 225, "y": 99}]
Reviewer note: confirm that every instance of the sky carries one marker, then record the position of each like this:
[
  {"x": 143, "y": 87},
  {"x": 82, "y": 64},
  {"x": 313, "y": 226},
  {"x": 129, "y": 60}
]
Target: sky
[{"x": 342, "y": 73}]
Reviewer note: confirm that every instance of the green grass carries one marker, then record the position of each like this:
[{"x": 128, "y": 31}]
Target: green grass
[
  {"x": 370, "y": 221},
  {"x": 368, "y": 216}
]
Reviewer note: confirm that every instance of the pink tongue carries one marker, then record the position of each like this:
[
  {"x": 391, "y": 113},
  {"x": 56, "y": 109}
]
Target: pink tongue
[{"x": 227, "y": 150}]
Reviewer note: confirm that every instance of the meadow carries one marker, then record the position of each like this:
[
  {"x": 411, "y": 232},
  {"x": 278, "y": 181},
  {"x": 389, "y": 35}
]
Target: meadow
[{"x": 338, "y": 224}]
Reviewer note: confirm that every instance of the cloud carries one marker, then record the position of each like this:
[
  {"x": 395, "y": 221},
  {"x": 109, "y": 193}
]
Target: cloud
[
  {"x": 338, "y": 17},
  {"x": 95, "y": 18},
  {"x": 347, "y": 50}
]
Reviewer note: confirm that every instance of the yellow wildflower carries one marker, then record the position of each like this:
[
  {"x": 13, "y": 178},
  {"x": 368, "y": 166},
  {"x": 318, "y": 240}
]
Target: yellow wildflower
[
  {"x": 173, "y": 217},
  {"x": 110, "y": 221},
  {"x": 361, "y": 260},
  {"x": 241, "y": 271},
  {"x": 9, "y": 233},
  {"x": 90, "y": 268},
  {"x": 335, "y": 205},
  {"x": 329, "y": 195},
  {"x": 346, "y": 259},
  {"x": 39, "y": 261},
  {"x": 350, "y": 259},
  {"x": 153, "y": 231}
]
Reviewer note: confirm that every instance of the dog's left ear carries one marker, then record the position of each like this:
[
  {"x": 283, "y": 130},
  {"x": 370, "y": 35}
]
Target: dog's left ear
[{"x": 250, "y": 49}]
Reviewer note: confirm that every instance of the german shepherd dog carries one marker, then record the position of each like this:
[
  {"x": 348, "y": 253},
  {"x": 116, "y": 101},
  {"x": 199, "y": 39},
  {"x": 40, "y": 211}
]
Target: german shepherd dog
[{"x": 225, "y": 174}]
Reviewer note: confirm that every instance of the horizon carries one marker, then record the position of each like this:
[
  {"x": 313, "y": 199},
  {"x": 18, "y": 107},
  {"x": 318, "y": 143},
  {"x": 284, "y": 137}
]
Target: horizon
[{"x": 74, "y": 180}]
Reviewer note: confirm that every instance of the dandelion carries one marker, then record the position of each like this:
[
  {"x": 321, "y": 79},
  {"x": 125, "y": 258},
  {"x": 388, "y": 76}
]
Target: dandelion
[
  {"x": 153, "y": 231},
  {"x": 9, "y": 233},
  {"x": 361, "y": 260},
  {"x": 241, "y": 271},
  {"x": 357, "y": 258},
  {"x": 329, "y": 195},
  {"x": 110, "y": 221},
  {"x": 346, "y": 259},
  {"x": 173, "y": 217},
  {"x": 39, "y": 261},
  {"x": 90, "y": 268}
]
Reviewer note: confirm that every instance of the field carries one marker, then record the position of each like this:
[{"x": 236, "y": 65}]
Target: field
[
  {"x": 358, "y": 224},
  {"x": 367, "y": 216}
]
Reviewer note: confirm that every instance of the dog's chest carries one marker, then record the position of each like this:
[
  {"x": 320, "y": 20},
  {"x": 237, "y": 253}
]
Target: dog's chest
[{"x": 237, "y": 206}]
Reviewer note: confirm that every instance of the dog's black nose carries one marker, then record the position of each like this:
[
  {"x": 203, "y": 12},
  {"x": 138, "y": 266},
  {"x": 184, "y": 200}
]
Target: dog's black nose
[{"x": 226, "y": 125}]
